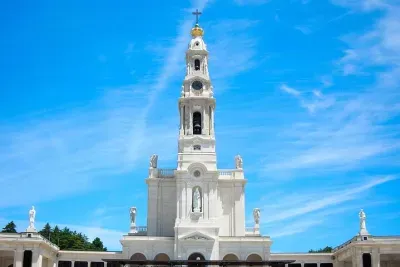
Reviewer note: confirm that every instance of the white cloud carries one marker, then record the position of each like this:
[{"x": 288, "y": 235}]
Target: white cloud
[
  {"x": 227, "y": 38},
  {"x": 251, "y": 2},
  {"x": 365, "y": 5},
  {"x": 380, "y": 46},
  {"x": 289, "y": 90},
  {"x": 294, "y": 228},
  {"x": 307, "y": 208},
  {"x": 317, "y": 101},
  {"x": 309, "y": 203},
  {"x": 80, "y": 146},
  {"x": 326, "y": 81},
  {"x": 353, "y": 127},
  {"x": 303, "y": 29}
]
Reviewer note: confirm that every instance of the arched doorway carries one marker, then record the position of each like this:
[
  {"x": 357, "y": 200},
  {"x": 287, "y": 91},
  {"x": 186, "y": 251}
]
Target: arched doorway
[
  {"x": 138, "y": 257},
  {"x": 196, "y": 257},
  {"x": 367, "y": 261},
  {"x": 230, "y": 257},
  {"x": 27, "y": 260},
  {"x": 254, "y": 257},
  {"x": 162, "y": 257}
]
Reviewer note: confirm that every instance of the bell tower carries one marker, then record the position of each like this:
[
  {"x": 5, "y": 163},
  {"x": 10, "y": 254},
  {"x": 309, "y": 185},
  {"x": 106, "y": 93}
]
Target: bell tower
[
  {"x": 197, "y": 210},
  {"x": 196, "y": 107}
]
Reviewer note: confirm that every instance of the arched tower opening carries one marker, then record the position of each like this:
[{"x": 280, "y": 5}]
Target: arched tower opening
[
  {"x": 197, "y": 64},
  {"x": 197, "y": 123}
]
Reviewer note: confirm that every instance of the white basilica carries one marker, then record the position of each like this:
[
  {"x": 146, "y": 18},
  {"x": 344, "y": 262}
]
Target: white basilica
[{"x": 197, "y": 211}]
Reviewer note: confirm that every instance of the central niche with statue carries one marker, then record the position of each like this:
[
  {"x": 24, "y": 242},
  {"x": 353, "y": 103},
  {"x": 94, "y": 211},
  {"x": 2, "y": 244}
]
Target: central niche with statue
[{"x": 197, "y": 206}]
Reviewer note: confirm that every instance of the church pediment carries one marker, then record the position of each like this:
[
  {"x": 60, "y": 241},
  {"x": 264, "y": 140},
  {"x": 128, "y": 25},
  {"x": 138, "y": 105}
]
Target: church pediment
[{"x": 197, "y": 236}]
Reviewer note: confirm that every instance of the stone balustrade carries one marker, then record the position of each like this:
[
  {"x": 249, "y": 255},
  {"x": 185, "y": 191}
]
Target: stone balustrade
[
  {"x": 231, "y": 174},
  {"x": 166, "y": 173},
  {"x": 140, "y": 231}
]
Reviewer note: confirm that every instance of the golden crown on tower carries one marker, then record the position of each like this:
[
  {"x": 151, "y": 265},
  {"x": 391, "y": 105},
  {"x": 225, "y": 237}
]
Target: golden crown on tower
[{"x": 197, "y": 31}]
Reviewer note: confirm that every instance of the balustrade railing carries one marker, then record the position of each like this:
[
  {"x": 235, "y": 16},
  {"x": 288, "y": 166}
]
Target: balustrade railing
[
  {"x": 225, "y": 173},
  {"x": 249, "y": 229},
  {"x": 166, "y": 173},
  {"x": 140, "y": 231}
]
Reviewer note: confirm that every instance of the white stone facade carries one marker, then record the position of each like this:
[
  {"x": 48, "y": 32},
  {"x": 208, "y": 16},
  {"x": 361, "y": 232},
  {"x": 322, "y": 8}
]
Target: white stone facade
[{"x": 196, "y": 208}]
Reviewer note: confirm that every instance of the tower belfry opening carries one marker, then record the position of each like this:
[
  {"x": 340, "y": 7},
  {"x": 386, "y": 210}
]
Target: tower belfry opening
[
  {"x": 196, "y": 123},
  {"x": 196, "y": 64}
]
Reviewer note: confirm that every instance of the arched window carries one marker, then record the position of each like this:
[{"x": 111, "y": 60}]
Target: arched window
[
  {"x": 197, "y": 64},
  {"x": 196, "y": 123}
]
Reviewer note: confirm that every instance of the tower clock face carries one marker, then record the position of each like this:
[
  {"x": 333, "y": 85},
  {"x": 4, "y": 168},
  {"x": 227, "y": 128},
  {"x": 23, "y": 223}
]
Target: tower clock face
[{"x": 197, "y": 85}]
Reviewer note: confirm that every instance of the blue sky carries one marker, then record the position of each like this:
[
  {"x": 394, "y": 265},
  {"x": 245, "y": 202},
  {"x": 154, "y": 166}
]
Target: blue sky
[{"x": 307, "y": 92}]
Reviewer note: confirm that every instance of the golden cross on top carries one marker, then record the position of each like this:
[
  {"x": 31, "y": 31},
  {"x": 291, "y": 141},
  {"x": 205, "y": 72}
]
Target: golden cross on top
[{"x": 197, "y": 13}]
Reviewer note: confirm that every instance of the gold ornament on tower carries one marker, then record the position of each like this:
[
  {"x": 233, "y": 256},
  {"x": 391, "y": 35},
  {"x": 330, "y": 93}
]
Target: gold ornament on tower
[{"x": 196, "y": 30}]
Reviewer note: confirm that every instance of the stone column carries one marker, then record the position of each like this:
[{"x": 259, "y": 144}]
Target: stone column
[
  {"x": 181, "y": 114},
  {"x": 105, "y": 264},
  {"x": 190, "y": 120},
  {"x": 37, "y": 258},
  {"x": 356, "y": 259},
  {"x": 376, "y": 258},
  {"x": 204, "y": 120},
  {"x": 18, "y": 257},
  {"x": 212, "y": 121},
  {"x": 72, "y": 263},
  {"x": 52, "y": 262},
  {"x": 338, "y": 263}
]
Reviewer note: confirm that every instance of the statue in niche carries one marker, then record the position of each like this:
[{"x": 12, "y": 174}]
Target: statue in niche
[
  {"x": 256, "y": 215},
  {"x": 238, "y": 162},
  {"x": 196, "y": 200},
  {"x": 153, "y": 161}
]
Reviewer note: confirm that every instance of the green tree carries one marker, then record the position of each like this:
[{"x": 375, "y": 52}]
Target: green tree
[
  {"x": 67, "y": 239},
  {"x": 97, "y": 245},
  {"x": 46, "y": 231},
  {"x": 327, "y": 249},
  {"x": 9, "y": 228}
]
